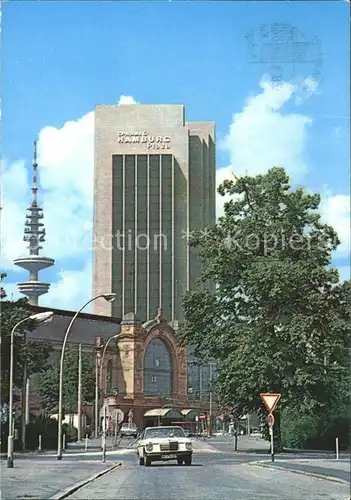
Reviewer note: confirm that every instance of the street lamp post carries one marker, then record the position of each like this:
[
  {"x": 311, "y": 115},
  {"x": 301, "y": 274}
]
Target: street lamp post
[
  {"x": 107, "y": 296},
  {"x": 79, "y": 402},
  {"x": 210, "y": 422},
  {"x": 39, "y": 318},
  {"x": 100, "y": 384},
  {"x": 96, "y": 408}
]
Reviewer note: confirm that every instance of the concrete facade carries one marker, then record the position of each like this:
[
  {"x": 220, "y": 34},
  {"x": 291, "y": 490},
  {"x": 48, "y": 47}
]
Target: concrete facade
[{"x": 154, "y": 181}]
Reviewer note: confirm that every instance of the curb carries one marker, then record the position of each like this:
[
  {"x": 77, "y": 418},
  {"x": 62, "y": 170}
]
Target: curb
[
  {"x": 71, "y": 489},
  {"x": 302, "y": 472},
  {"x": 252, "y": 452}
]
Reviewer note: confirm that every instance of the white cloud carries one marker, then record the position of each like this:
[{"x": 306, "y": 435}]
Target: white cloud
[
  {"x": 72, "y": 289},
  {"x": 127, "y": 99},
  {"x": 65, "y": 157},
  {"x": 262, "y": 135},
  {"x": 335, "y": 210}
]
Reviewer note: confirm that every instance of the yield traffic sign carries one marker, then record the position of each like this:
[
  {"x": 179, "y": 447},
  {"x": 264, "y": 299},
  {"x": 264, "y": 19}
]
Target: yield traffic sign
[{"x": 270, "y": 400}]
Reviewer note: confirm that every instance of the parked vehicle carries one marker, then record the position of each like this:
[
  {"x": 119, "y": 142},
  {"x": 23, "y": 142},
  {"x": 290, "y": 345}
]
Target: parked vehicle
[{"x": 129, "y": 430}]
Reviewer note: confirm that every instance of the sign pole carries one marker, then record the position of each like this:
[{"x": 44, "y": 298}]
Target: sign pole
[
  {"x": 272, "y": 443},
  {"x": 270, "y": 421},
  {"x": 236, "y": 437}
]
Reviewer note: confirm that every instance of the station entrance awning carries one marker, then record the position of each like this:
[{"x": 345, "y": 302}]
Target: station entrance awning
[
  {"x": 169, "y": 413},
  {"x": 190, "y": 414}
]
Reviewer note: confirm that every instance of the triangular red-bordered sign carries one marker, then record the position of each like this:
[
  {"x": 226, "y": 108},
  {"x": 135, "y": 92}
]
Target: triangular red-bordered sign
[{"x": 270, "y": 400}]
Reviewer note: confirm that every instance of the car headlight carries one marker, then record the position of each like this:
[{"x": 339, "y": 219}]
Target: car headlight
[
  {"x": 149, "y": 447},
  {"x": 188, "y": 446}
]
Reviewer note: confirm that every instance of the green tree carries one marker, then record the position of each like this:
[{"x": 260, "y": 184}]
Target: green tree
[
  {"x": 47, "y": 382},
  {"x": 34, "y": 353},
  {"x": 278, "y": 319}
]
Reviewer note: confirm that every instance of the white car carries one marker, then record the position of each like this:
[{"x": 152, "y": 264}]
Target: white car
[
  {"x": 128, "y": 430},
  {"x": 164, "y": 443}
]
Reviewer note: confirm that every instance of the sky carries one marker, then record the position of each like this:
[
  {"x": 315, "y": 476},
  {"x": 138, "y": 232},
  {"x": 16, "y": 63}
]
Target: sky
[{"x": 228, "y": 62}]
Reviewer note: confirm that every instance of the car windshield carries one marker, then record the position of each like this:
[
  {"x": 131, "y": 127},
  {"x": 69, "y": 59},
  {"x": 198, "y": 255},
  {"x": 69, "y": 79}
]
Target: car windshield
[
  {"x": 129, "y": 426},
  {"x": 164, "y": 432}
]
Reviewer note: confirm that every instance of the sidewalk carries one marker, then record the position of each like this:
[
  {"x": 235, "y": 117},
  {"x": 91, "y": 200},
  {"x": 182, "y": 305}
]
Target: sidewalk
[
  {"x": 338, "y": 470},
  {"x": 43, "y": 478}
]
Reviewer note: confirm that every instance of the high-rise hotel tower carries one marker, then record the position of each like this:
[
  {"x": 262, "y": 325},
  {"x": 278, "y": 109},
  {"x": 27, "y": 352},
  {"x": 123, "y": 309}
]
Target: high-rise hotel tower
[{"x": 154, "y": 182}]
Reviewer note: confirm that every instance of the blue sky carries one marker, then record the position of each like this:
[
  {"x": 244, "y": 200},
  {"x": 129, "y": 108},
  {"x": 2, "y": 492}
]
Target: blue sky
[{"x": 60, "y": 59}]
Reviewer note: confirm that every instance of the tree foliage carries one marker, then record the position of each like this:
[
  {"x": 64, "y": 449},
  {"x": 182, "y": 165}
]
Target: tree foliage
[
  {"x": 47, "y": 383},
  {"x": 279, "y": 320},
  {"x": 34, "y": 353}
]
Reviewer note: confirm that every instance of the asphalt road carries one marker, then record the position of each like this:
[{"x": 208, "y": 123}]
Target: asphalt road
[
  {"x": 217, "y": 472},
  {"x": 214, "y": 474}
]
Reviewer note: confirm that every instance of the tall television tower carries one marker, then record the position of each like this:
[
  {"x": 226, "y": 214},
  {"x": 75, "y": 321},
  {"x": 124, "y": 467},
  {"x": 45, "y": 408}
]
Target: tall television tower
[{"x": 34, "y": 234}]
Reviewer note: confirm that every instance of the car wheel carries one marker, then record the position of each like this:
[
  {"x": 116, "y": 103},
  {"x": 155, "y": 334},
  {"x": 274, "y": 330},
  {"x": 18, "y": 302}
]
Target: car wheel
[
  {"x": 147, "y": 462},
  {"x": 187, "y": 460},
  {"x": 180, "y": 461},
  {"x": 141, "y": 460}
]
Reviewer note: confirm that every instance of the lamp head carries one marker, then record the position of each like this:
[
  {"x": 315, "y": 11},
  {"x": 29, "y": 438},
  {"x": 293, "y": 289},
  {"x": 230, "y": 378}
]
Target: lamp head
[
  {"x": 44, "y": 317},
  {"x": 109, "y": 297}
]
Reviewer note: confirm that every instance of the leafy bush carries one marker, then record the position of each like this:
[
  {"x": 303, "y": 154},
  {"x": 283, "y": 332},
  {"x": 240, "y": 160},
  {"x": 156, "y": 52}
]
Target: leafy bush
[
  {"x": 297, "y": 429},
  {"x": 44, "y": 426},
  {"x": 310, "y": 431},
  {"x": 47, "y": 428},
  {"x": 87, "y": 431},
  {"x": 70, "y": 432}
]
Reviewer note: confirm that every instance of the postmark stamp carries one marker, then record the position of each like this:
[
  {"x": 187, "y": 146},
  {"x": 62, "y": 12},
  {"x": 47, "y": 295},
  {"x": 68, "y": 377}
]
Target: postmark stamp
[{"x": 287, "y": 55}]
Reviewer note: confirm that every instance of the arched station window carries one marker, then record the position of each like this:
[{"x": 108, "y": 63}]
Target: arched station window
[{"x": 158, "y": 370}]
